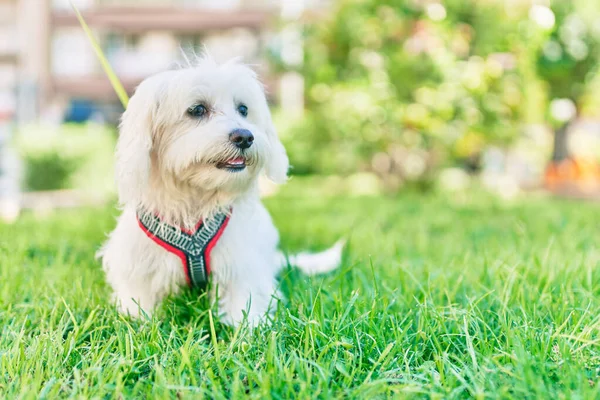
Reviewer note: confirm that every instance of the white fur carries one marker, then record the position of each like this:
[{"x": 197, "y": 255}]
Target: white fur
[{"x": 166, "y": 163}]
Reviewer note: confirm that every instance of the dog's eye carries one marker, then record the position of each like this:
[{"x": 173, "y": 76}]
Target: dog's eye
[
  {"x": 243, "y": 110},
  {"x": 198, "y": 111}
]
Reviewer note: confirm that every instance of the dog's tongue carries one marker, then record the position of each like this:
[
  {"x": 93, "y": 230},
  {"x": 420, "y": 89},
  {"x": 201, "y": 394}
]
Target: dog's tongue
[{"x": 237, "y": 161}]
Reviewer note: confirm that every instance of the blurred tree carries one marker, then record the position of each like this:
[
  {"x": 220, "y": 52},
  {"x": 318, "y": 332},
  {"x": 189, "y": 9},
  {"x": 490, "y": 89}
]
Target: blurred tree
[
  {"x": 568, "y": 60},
  {"x": 399, "y": 87},
  {"x": 396, "y": 86}
]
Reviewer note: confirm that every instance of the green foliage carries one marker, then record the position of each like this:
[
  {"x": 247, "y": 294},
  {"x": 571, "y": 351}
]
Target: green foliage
[
  {"x": 71, "y": 156},
  {"x": 569, "y": 56},
  {"x": 389, "y": 79},
  {"x": 438, "y": 297},
  {"x": 48, "y": 171}
]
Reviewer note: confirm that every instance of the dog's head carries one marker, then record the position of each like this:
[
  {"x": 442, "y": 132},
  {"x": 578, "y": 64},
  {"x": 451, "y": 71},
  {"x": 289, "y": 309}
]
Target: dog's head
[{"x": 207, "y": 127}]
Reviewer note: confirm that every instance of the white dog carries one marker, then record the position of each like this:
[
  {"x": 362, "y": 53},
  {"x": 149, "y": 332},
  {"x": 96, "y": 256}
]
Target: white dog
[{"x": 192, "y": 145}]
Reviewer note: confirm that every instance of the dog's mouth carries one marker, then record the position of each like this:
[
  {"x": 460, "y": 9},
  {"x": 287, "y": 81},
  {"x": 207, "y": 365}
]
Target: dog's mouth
[{"x": 233, "y": 165}]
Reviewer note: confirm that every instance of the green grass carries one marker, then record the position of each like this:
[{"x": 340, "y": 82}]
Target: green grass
[{"x": 438, "y": 297}]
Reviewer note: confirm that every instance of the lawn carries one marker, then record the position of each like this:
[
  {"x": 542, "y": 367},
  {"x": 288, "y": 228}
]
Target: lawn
[{"x": 439, "y": 297}]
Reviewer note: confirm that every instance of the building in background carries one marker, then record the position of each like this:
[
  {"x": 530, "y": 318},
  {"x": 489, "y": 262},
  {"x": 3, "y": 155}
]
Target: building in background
[
  {"x": 55, "y": 73},
  {"x": 9, "y": 77}
]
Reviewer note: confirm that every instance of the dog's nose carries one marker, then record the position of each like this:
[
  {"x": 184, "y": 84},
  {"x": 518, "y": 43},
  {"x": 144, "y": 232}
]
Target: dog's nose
[{"x": 242, "y": 138}]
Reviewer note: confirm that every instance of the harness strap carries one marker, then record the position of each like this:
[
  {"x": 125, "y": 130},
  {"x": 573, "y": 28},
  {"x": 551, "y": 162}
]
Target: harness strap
[{"x": 192, "y": 248}]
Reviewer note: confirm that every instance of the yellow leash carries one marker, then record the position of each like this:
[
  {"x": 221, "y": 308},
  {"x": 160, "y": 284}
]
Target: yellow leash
[{"x": 110, "y": 73}]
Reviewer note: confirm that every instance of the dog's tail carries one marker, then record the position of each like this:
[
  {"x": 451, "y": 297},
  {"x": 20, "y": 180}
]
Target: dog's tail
[{"x": 316, "y": 263}]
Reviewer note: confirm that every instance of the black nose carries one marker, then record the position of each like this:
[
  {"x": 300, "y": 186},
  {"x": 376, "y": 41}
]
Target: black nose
[{"x": 242, "y": 138}]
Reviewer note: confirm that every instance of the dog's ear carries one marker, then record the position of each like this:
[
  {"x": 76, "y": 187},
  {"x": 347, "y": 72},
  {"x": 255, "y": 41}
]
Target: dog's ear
[
  {"x": 277, "y": 165},
  {"x": 135, "y": 142}
]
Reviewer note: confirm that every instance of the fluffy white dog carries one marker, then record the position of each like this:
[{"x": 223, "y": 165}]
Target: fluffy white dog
[{"x": 192, "y": 145}]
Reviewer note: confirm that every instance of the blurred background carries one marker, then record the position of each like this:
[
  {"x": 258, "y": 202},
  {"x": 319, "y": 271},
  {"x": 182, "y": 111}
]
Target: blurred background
[{"x": 378, "y": 96}]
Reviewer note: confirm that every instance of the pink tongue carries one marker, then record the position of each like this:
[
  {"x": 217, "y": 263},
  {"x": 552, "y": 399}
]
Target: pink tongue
[{"x": 236, "y": 161}]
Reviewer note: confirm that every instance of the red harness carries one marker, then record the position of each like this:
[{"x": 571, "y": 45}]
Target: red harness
[{"x": 192, "y": 248}]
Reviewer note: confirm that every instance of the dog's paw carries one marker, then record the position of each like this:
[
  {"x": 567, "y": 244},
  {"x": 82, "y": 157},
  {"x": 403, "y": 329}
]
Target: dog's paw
[
  {"x": 247, "y": 320},
  {"x": 252, "y": 316},
  {"x": 130, "y": 307}
]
